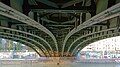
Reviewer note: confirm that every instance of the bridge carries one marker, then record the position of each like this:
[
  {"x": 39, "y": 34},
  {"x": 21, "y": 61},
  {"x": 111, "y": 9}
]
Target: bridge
[{"x": 55, "y": 28}]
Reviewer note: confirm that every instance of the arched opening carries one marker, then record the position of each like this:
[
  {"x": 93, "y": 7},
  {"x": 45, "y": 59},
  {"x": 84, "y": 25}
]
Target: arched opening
[
  {"x": 106, "y": 49},
  {"x": 10, "y": 49}
]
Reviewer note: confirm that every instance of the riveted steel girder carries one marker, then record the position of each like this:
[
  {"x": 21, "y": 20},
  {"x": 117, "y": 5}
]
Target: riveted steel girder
[
  {"x": 113, "y": 34},
  {"x": 21, "y": 41},
  {"x": 13, "y": 14},
  {"x": 103, "y": 16},
  {"x": 4, "y": 28},
  {"x": 106, "y": 30}
]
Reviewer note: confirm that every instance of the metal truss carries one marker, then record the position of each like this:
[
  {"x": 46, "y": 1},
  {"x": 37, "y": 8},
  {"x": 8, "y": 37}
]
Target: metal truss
[
  {"x": 21, "y": 41},
  {"x": 111, "y": 12},
  {"x": 87, "y": 35},
  {"x": 75, "y": 51},
  {"x": 35, "y": 37},
  {"x": 9, "y": 32},
  {"x": 13, "y": 14}
]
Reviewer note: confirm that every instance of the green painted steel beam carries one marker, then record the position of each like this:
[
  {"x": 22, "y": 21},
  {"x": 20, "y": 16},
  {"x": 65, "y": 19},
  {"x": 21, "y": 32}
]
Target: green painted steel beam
[
  {"x": 89, "y": 35},
  {"x": 13, "y": 14},
  {"x": 30, "y": 35},
  {"x": 74, "y": 50},
  {"x": 22, "y": 41},
  {"x": 112, "y": 12},
  {"x": 49, "y": 3}
]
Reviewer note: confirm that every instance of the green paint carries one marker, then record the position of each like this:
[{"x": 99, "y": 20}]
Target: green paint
[
  {"x": 16, "y": 4},
  {"x": 101, "y": 6}
]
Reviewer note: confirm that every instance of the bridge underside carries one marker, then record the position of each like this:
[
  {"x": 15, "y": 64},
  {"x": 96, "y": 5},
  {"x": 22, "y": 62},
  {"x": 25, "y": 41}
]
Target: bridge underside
[{"x": 59, "y": 28}]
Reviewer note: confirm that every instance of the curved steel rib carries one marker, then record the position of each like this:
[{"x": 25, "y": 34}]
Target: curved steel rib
[
  {"x": 88, "y": 35},
  {"x": 22, "y": 41},
  {"x": 22, "y": 36},
  {"x": 105, "y": 15},
  {"x": 91, "y": 39},
  {"x": 13, "y": 14}
]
